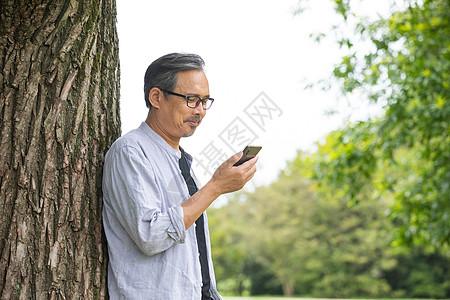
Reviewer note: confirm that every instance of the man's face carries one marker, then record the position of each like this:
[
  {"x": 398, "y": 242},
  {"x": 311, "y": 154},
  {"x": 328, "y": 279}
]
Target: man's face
[{"x": 179, "y": 120}]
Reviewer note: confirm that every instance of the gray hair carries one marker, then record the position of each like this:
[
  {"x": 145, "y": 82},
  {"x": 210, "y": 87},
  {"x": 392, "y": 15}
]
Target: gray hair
[{"x": 162, "y": 73}]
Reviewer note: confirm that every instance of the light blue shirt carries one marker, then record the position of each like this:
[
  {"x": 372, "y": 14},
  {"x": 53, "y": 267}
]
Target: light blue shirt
[{"x": 151, "y": 255}]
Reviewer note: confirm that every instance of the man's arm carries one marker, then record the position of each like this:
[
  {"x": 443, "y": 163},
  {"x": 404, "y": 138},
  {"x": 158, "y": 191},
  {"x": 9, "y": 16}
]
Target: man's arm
[
  {"x": 134, "y": 201},
  {"x": 226, "y": 179}
]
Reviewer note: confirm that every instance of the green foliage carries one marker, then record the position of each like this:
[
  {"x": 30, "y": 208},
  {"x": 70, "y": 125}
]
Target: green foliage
[
  {"x": 311, "y": 245},
  {"x": 336, "y": 221},
  {"x": 230, "y": 251},
  {"x": 310, "y": 240},
  {"x": 350, "y": 243},
  {"x": 279, "y": 225},
  {"x": 405, "y": 66},
  {"x": 420, "y": 274}
]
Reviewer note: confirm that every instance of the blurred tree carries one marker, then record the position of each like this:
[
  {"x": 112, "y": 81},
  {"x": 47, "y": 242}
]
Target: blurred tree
[
  {"x": 59, "y": 112},
  {"x": 308, "y": 232},
  {"x": 348, "y": 247},
  {"x": 420, "y": 273},
  {"x": 404, "y": 65},
  {"x": 236, "y": 270},
  {"x": 230, "y": 251},
  {"x": 262, "y": 280},
  {"x": 415, "y": 272},
  {"x": 278, "y": 225}
]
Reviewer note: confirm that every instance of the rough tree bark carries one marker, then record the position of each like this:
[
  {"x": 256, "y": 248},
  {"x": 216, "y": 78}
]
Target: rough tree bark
[{"x": 59, "y": 112}]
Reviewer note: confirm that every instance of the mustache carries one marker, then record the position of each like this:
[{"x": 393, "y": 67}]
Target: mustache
[{"x": 197, "y": 119}]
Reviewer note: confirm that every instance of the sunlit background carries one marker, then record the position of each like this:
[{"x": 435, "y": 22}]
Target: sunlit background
[
  {"x": 351, "y": 199},
  {"x": 249, "y": 47}
]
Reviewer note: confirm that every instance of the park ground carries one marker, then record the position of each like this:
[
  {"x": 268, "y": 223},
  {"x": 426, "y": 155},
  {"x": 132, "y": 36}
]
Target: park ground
[{"x": 298, "y": 298}]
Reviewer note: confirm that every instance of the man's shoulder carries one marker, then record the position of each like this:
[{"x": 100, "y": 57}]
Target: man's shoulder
[
  {"x": 130, "y": 139},
  {"x": 134, "y": 140}
]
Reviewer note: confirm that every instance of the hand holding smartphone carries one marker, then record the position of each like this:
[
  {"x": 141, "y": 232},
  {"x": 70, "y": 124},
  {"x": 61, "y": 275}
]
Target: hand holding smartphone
[{"x": 248, "y": 153}]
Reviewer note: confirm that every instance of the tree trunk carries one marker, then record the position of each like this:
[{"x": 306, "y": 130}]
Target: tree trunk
[
  {"x": 288, "y": 289},
  {"x": 59, "y": 112}
]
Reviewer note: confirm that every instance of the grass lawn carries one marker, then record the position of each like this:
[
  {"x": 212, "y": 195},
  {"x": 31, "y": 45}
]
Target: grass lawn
[
  {"x": 287, "y": 298},
  {"x": 266, "y": 298},
  {"x": 276, "y": 298},
  {"x": 263, "y": 298},
  {"x": 298, "y": 298}
]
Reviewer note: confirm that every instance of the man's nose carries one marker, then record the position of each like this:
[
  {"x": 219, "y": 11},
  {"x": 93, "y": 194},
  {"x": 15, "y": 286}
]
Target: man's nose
[{"x": 199, "y": 109}]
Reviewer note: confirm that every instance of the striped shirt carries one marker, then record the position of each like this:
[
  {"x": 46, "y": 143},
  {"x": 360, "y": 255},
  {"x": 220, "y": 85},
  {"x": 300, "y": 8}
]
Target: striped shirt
[{"x": 151, "y": 255}]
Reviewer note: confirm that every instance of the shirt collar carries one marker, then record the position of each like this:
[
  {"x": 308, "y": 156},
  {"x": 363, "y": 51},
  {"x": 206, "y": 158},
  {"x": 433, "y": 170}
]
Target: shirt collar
[{"x": 159, "y": 140}]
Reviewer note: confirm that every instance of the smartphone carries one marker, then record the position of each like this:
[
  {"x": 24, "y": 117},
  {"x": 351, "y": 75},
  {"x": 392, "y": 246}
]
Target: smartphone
[{"x": 249, "y": 153}]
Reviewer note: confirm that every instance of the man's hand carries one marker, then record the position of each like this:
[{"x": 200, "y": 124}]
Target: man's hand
[{"x": 228, "y": 178}]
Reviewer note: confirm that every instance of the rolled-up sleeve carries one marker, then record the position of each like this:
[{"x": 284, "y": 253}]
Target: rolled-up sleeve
[{"x": 137, "y": 200}]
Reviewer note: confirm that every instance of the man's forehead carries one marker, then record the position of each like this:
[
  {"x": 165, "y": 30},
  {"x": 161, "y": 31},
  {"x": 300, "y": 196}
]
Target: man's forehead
[
  {"x": 192, "y": 79},
  {"x": 191, "y": 74}
]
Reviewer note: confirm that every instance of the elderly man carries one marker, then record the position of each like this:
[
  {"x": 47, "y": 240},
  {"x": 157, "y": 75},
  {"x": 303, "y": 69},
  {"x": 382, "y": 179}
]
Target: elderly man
[{"x": 154, "y": 214}]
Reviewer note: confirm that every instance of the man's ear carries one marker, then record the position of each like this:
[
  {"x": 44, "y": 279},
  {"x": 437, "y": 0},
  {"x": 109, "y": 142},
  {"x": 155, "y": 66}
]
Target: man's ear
[{"x": 155, "y": 96}]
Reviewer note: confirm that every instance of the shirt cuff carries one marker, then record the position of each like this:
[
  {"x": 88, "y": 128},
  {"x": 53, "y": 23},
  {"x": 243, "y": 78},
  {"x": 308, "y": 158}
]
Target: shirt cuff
[{"x": 177, "y": 229}]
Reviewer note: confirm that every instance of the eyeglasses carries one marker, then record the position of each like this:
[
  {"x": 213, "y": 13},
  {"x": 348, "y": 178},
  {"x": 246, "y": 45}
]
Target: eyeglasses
[{"x": 193, "y": 101}]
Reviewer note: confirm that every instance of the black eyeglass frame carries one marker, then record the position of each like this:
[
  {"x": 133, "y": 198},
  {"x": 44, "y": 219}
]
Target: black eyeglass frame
[{"x": 190, "y": 100}]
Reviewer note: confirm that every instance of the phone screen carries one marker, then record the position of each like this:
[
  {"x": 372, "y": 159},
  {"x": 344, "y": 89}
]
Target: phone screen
[{"x": 248, "y": 153}]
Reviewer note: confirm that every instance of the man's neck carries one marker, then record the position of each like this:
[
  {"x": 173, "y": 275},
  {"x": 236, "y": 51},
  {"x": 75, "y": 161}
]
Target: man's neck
[{"x": 155, "y": 125}]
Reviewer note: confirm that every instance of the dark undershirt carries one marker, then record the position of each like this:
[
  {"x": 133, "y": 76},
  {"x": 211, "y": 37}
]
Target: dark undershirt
[{"x": 199, "y": 229}]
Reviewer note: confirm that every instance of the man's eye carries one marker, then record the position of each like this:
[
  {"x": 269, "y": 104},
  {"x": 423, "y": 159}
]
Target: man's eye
[{"x": 193, "y": 99}]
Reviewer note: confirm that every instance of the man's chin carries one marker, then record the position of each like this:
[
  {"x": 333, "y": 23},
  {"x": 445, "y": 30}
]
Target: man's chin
[{"x": 190, "y": 132}]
